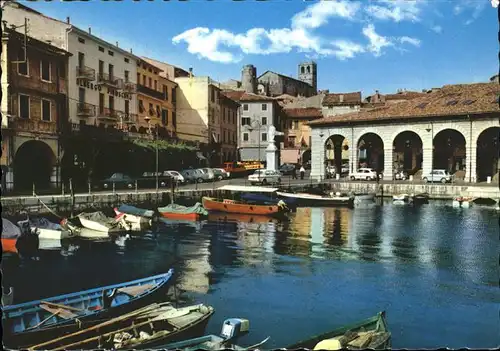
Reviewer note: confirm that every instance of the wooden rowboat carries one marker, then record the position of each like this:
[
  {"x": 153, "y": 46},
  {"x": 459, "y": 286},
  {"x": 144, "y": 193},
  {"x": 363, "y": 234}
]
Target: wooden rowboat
[
  {"x": 34, "y": 321},
  {"x": 371, "y": 333},
  {"x": 99, "y": 222},
  {"x": 306, "y": 199},
  {"x": 231, "y": 206},
  {"x": 147, "y": 327}
]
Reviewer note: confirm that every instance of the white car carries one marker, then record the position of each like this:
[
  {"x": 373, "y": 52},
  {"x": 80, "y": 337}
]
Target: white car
[
  {"x": 176, "y": 175},
  {"x": 365, "y": 174},
  {"x": 437, "y": 175},
  {"x": 264, "y": 176}
]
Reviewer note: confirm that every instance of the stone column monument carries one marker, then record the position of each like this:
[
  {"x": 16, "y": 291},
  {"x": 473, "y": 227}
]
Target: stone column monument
[{"x": 272, "y": 150}]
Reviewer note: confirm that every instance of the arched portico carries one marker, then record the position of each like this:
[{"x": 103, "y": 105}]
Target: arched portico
[
  {"x": 336, "y": 151},
  {"x": 449, "y": 152},
  {"x": 407, "y": 152},
  {"x": 370, "y": 150},
  {"x": 487, "y": 154},
  {"x": 34, "y": 163}
]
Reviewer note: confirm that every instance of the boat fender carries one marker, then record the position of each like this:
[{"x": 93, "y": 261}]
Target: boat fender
[{"x": 329, "y": 344}]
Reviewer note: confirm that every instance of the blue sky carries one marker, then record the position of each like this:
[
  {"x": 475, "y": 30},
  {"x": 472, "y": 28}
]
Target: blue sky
[{"x": 358, "y": 45}]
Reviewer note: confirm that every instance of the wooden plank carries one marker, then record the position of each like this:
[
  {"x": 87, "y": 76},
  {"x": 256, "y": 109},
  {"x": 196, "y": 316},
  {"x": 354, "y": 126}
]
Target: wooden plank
[
  {"x": 136, "y": 290},
  {"x": 362, "y": 341},
  {"x": 62, "y": 306},
  {"x": 61, "y": 312}
]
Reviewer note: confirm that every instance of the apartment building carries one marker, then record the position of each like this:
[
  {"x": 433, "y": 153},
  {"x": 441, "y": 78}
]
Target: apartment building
[
  {"x": 34, "y": 108},
  {"x": 229, "y": 128}
]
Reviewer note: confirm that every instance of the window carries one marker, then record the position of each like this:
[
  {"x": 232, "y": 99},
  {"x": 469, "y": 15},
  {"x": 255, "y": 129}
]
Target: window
[
  {"x": 264, "y": 121},
  {"x": 138, "y": 78},
  {"x": 151, "y": 109},
  {"x": 45, "y": 110},
  {"x": 150, "y": 82},
  {"x": 81, "y": 40},
  {"x": 111, "y": 71},
  {"x": 144, "y": 80},
  {"x": 111, "y": 102},
  {"x": 295, "y": 124},
  {"x": 81, "y": 95},
  {"x": 212, "y": 95},
  {"x": 164, "y": 117},
  {"x": 245, "y": 136},
  {"x": 291, "y": 141},
  {"x": 165, "y": 92},
  {"x": 81, "y": 59},
  {"x": 126, "y": 59},
  {"x": 101, "y": 67},
  {"x": 245, "y": 107},
  {"x": 126, "y": 76},
  {"x": 245, "y": 121},
  {"x": 141, "y": 106},
  {"x": 174, "y": 119},
  {"x": 45, "y": 70},
  {"x": 158, "y": 111},
  {"x": 156, "y": 84},
  {"x": 127, "y": 107},
  {"x": 110, "y": 53},
  {"x": 264, "y": 136},
  {"x": 264, "y": 107},
  {"x": 223, "y": 114},
  {"x": 22, "y": 68},
  {"x": 101, "y": 103},
  {"x": 24, "y": 106},
  {"x": 101, "y": 49}
]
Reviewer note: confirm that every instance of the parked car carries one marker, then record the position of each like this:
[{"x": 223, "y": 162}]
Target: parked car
[
  {"x": 120, "y": 181},
  {"x": 437, "y": 175},
  {"x": 287, "y": 168},
  {"x": 208, "y": 175},
  {"x": 191, "y": 175},
  {"x": 175, "y": 175},
  {"x": 221, "y": 173},
  {"x": 365, "y": 174},
  {"x": 148, "y": 179},
  {"x": 264, "y": 176},
  {"x": 345, "y": 169}
]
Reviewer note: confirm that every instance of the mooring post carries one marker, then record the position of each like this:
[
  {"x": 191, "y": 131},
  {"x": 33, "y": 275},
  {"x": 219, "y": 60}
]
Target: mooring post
[
  {"x": 136, "y": 189},
  {"x": 71, "y": 191},
  {"x": 34, "y": 193},
  {"x": 90, "y": 188},
  {"x": 62, "y": 188},
  {"x": 113, "y": 188},
  {"x": 172, "y": 191}
]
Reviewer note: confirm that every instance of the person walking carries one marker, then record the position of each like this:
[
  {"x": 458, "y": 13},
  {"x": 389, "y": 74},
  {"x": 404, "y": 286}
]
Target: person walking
[
  {"x": 294, "y": 172},
  {"x": 302, "y": 172}
]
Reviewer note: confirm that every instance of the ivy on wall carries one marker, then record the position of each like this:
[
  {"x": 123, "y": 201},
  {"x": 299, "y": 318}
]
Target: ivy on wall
[{"x": 163, "y": 145}]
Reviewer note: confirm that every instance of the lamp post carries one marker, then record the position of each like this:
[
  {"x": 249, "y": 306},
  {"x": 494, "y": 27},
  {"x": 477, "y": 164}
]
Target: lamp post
[
  {"x": 148, "y": 120},
  {"x": 250, "y": 128}
]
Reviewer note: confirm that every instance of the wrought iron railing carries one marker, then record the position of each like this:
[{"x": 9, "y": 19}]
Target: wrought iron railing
[
  {"x": 108, "y": 113},
  {"x": 85, "y": 110},
  {"x": 84, "y": 72},
  {"x": 105, "y": 78},
  {"x": 150, "y": 92}
]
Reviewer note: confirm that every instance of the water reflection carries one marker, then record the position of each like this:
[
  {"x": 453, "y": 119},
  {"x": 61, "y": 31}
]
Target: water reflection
[{"x": 396, "y": 258}]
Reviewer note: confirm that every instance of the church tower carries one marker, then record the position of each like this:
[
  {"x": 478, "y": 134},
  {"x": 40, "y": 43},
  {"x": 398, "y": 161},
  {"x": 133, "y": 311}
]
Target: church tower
[
  {"x": 308, "y": 73},
  {"x": 249, "y": 79}
]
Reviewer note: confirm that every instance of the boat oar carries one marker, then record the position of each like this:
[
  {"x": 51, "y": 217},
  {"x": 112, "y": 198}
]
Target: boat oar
[
  {"x": 45, "y": 320},
  {"x": 96, "y": 327},
  {"x": 61, "y": 306}
]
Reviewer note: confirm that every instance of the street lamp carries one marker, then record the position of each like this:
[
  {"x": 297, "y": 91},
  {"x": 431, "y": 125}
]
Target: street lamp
[
  {"x": 148, "y": 120},
  {"x": 250, "y": 128}
]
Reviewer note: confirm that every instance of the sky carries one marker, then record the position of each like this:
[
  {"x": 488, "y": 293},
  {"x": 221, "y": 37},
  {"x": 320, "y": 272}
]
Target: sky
[{"x": 363, "y": 45}]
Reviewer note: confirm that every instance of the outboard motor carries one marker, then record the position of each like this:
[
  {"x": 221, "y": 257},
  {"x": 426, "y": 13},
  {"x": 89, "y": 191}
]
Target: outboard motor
[{"x": 233, "y": 328}]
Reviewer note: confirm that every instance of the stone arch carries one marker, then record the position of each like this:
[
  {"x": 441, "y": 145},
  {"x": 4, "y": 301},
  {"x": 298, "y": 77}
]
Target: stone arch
[
  {"x": 306, "y": 156},
  {"x": 33, "y": 164},
  {"x": 407, "y": 151},
  {"x": 370, "y": 149},
  {"x": 302, "y": 69},
  {"x": 487, "y": 154},
  {"x": 308, "y": 69},
  {"x": 133, "y": 129},
  {"x": 449, "y": 151},
  {"x": 142, "y": 130},
  {"x": 336, "y": 150}
]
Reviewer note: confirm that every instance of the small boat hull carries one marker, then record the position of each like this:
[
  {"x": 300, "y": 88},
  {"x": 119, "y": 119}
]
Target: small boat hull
[
  {"x": 401, "y": 197},
  {"x": 311, "y": 200},
  {"x": 463, "y": 202},
  {"x": 9, "y": 245},
  {"x": 181, "y": 216},
  {"x": 98, "y": 222},
  {"x": 230, "y": 206},
  {"x": 51, "y": 234},
  {"x": 178, "y": 212},
  {"x": 364, "y": 197}
]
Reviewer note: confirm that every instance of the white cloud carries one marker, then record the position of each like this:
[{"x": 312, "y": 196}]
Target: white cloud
[
  {"x": 413, "y": 41},
  {"x": 220, "y": 45},
  {"x": 377, "y": 42},
  {"x": 474, "y": 6},
  {"x": 438, "y": 29},
  {"x": 396, "y": 10}
]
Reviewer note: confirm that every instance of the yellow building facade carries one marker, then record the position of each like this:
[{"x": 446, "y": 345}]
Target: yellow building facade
[{"x": 156, "y": 101}]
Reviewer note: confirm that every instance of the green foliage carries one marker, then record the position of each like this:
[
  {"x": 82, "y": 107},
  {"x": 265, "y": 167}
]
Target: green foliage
[{"x": 163, "y": 145}]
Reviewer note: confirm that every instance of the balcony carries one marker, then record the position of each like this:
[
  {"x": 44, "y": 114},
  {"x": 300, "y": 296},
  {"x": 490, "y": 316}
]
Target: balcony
[
  {"x": 111, "y": 115},
  {"x": 85, "y": 73},
  {"x": 150, "y": 92},
  {"x": 85, "y": 110},
  {"x": 30, "y": 125},
  {"x": 129, "y": 118},
  {"x": 110, "y": 81},
  {"x": 128, "y": 87}
]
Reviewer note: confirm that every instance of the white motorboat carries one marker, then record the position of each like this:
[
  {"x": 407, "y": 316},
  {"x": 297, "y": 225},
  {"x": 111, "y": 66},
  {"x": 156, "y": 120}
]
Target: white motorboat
[
  {"x": 305, "y": 199},
  {"x": 99, "y": 222},
  {"x": 401, "y": 197},
  {"x": 86, "y": 233},
  {"x": 46, "y": 229},
  {"x": 461, "y": 201},
  {"x": 133, "y": 218}
]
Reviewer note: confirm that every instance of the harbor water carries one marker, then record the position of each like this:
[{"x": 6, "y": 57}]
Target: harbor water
[{"x": 433, "y": 269}]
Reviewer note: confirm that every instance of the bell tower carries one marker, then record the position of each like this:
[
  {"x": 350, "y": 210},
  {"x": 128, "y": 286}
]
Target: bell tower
[{"x": 308, "y": 73}]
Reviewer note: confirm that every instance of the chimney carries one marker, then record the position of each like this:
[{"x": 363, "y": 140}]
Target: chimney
[
  {"x": 341, "y": 98},
  {"x": 131, "y": 50},
  {"x": 68, "y": 20},
  {"x": 190, "y": 72},
  {"x": 116, "y": 44},
  {"x": 376, "y": 92},
  {"x": 90, "y": 30}
]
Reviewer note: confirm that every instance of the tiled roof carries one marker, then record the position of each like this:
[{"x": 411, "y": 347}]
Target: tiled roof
[
  {"x": 243, "y": 96},
  {"x": 342, "y": 99},
  {"x": 406, "y": 95},
  {"x": 451, "y": 100},
  {"x": 308, "y": 112}
]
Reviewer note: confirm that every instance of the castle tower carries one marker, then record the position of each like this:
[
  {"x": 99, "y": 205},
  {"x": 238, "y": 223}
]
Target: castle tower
[
  {"x": 308, "y": 73},
  {"x": 249, "y": 79}
]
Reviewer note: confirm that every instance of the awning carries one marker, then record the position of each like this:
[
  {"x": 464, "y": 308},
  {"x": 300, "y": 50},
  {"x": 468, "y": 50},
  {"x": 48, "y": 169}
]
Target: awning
[
  {"x": 200, "y": 156},
  {"x": 252, "y": 154}
]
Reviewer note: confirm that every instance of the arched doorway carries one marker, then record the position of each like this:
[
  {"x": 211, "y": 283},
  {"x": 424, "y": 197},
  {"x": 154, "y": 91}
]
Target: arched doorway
[
  {"x": 487, "y": 160},
  {"x": 306, "y": 157},
  {"x": 336, "y": 152},
  {"x": 449, "y": 151},
  {"x": 33, "y": 164},
  {"x": 371, "y": 151},
  {"x": 407, "y": 152},
  {"x": 133, "y": 129}
]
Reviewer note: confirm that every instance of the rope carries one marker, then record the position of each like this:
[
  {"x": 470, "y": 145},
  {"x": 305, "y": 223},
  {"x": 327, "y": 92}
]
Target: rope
[{"x": 47, "y": 207}]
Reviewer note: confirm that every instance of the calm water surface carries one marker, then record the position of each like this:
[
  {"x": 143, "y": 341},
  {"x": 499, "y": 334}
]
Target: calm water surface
[{"x": 434, "y": 270}]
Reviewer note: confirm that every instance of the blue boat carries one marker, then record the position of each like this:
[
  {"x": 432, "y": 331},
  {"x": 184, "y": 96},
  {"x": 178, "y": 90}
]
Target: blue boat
[
  {"x": 136, "y": 211},
  {"x": 36, "y": 321},
  {"x": 258, "y": 195}
]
